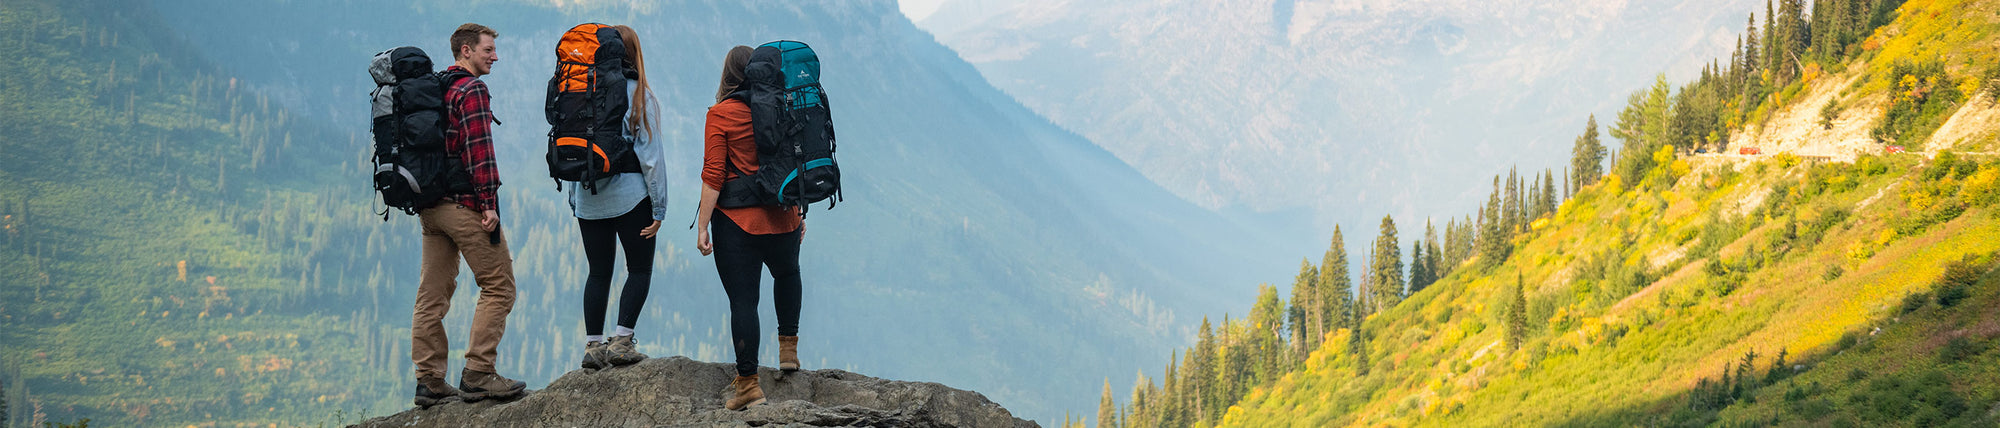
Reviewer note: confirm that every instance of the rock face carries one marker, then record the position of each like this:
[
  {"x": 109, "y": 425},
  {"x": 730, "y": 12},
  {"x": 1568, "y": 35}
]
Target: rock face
[{"x": 679, "y": 392}]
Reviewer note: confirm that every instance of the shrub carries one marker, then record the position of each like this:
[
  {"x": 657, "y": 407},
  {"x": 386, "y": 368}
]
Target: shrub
[
  {"x": 1870, "y": 165},
  {"x": 1958, "y": 349},
  {"x": 1914, "y": 301},
  {"x": 1978, "y": 188},
  {"x": 1959, "y": 276},
  {"x": 1922, "y": 96},
  {"x": 1824, "y": 220},
  {"x": 1950, "y": 296},
  {"x": 1944, "y": 165},
  {"x": 1992, "y": 84}
]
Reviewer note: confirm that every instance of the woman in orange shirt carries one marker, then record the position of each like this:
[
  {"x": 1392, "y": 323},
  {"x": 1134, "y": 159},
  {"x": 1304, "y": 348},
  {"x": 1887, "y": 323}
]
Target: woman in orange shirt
[{"x": 747, "y": 239}]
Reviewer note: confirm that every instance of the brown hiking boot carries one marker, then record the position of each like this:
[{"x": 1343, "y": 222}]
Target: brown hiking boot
[
  {"x": 788, "y": 353},
  {"x": 594, "y": 356},
  {"x": 619, "y": 351},
  {"x": 747, "y": 393},
  {"x": 432, "y": 391},
  {"x": 482, "y": 385}
]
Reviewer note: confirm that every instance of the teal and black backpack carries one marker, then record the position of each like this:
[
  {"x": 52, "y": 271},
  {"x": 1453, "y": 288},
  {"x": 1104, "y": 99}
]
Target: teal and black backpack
[{"x": 794, "y": 130}]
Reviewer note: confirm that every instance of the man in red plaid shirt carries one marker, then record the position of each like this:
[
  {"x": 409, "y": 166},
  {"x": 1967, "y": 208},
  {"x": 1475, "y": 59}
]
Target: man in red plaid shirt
[{"x": 465, "y": 225}]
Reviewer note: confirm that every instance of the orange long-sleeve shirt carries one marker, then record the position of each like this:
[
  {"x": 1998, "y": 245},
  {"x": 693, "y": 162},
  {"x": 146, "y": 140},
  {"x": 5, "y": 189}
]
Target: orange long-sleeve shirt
[{"x": 727, "y": 138}]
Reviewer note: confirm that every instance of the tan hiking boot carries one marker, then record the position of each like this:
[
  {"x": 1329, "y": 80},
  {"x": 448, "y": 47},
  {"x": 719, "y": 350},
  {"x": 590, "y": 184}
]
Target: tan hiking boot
[
  {"x": 482, "y": 385},
  {"x": 594, "y": 356},
  {"x": 432, "y": 391},
  {"x": 619, "y": 351},
  {"x": 788, "y": 353},
  {"x": 747, "y": 393}
]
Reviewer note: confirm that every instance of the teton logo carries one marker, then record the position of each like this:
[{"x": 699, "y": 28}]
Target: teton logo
[{"x": 575, "y": 52}]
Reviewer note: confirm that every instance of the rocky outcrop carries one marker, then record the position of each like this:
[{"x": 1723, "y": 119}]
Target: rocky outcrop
[{"x": 678, "y": 392}]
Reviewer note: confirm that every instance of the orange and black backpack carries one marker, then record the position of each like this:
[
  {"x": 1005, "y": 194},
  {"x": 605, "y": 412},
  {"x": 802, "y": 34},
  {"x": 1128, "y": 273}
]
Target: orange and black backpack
[{"x": 586, "y": 106}]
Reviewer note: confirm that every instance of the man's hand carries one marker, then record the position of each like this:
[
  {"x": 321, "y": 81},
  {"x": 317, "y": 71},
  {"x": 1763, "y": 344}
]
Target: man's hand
[
  {"x": 490, "y": 220},
  {"x": 650, "y": 231}
]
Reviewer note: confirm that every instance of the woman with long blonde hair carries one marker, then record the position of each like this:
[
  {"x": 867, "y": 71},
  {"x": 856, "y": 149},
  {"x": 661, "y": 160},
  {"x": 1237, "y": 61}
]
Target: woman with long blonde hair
[{"x": 625, "y": 210}]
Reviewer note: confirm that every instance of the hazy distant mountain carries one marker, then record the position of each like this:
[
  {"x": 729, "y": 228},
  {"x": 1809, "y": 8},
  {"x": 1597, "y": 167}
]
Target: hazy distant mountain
[
  {"x": 979, "y": 245},
  {"x": 1332, "y": 105}
]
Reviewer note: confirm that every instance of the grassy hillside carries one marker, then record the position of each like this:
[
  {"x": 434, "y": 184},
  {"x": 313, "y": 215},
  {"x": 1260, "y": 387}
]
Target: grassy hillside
[{"x": 1850, "y": 290}]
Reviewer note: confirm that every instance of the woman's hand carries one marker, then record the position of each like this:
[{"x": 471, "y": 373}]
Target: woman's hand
[
  {"x": 650, "y": 231},
  {"x": 701, "y": 241}
]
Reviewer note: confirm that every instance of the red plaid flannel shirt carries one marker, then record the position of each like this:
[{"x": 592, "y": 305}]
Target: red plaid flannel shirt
[{"x": 471, "y": 137}]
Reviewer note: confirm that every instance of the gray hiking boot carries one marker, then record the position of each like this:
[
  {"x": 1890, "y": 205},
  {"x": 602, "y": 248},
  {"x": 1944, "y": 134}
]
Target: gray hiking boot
[
  {"x": 482, "y": 385},
  {"x": 594, "y": 356},
  {"x": 619, "y": 351},
  {"x": 432, "y": 391}
]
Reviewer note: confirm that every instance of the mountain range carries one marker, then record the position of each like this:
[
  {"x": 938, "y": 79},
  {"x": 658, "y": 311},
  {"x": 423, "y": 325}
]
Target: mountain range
[{"x": 979, "y": 245}]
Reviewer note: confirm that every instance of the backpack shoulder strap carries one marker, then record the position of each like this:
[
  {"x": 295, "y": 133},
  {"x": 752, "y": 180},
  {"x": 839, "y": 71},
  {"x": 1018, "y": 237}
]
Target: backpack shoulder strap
[{"x": 449, "y": 78}]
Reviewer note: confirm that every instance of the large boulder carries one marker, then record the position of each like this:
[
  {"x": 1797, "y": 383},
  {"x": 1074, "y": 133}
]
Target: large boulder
[{"x": 678, "y": 392}]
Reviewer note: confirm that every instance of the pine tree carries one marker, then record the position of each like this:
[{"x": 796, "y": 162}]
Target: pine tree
[
  {"x": 1531, "y": 202},
  {"x": 1202, "y": 371},
  {"x": 1549, "y": 200},
  {"x": 1569, "y": 191},
  {"x": 1107, "y": 410},
  {"x": 1493, "y": 240},
  {"x": 1336, "y": 301},
  {"x": 1795, "y": 36},
  {"x": 1643, "y": 126},
  {"x": 1305, "y": 310},
  {"x": 1771, "y": 43},
  {"x": 1357, "y": 345},
  {"x": 1364, "y": 293},
  {"x": 1271, "y": 356},
  {"x": 1218, "y": 388},
  {"x": 1470, "y": 245},
  {"x": 1827, "y": 15},
  {"x": 1510, "y": 205},
  {"x": 1520, "y": 202},
  {"x": 1517, "y": 314},
  {"x": 1749, "y": 67},
  {"x": 1266, "y": 325},
  {"x": 1138, "y": 413},
  {"x": 1387, "y": 286},
  {"x": 1174, "y": 402},
  {"x": 1420, "y": 275},
  {"x": 1434, "y": 253},
  {"x": 1451, "y": 245}
]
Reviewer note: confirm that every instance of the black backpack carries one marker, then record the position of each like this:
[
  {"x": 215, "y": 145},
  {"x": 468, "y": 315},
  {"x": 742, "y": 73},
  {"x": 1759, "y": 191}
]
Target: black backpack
[
  {"x": 412, "y": 169},
  {"x": 793, "y": 125},
  {"x": 586, "y": 106}
]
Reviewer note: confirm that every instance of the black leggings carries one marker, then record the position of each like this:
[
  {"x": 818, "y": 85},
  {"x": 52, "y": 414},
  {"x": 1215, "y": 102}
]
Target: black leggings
[
  {"x": 599, "y": 238},
  {"x": 739, "y": 259}
]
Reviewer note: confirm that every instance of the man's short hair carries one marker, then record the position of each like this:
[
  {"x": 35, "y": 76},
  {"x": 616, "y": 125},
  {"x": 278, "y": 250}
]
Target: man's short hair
[{"x": 468, "y": 35}]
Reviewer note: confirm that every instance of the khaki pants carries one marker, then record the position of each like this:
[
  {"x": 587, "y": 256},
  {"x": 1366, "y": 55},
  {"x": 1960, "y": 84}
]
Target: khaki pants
[{"x": 452, "y": 230}]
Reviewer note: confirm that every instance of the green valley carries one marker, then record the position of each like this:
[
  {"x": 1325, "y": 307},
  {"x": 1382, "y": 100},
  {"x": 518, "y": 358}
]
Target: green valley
[{"x": 165, "y": 255}]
